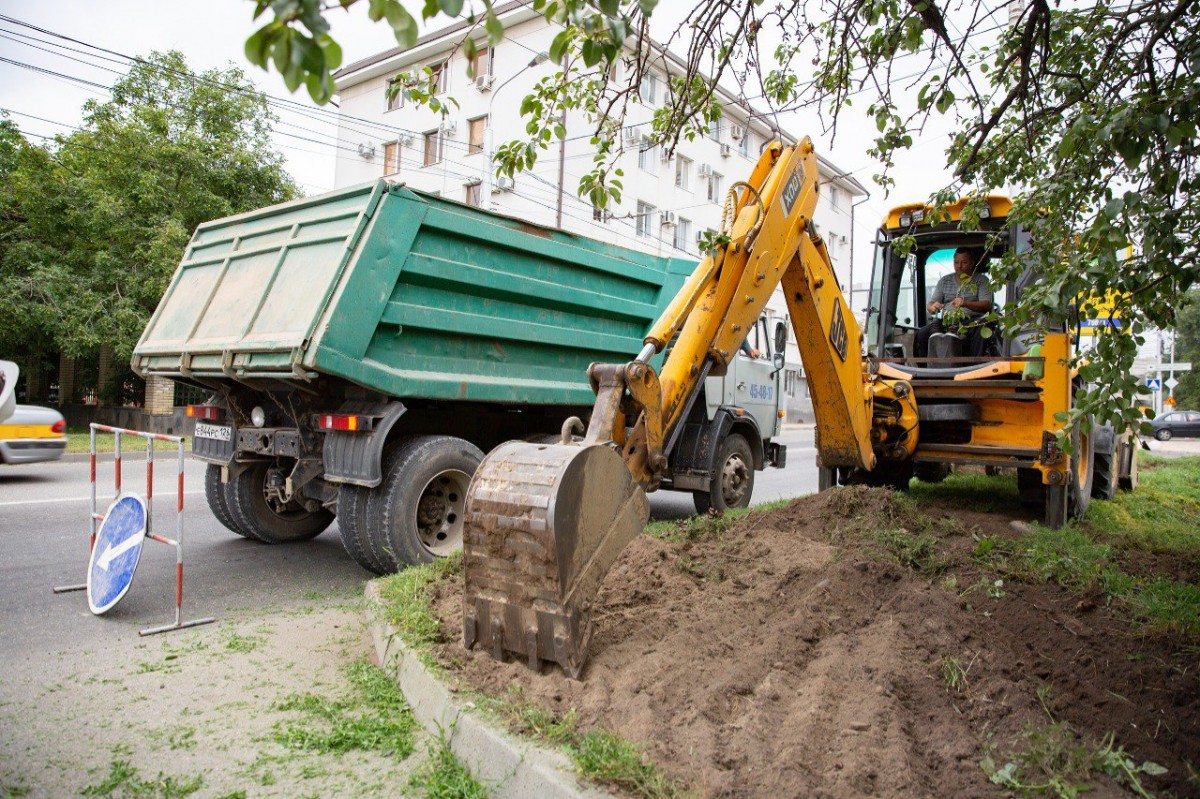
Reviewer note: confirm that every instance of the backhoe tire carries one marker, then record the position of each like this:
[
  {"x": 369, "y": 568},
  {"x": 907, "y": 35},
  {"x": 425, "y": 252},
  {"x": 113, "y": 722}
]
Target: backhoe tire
[
  {"x": 416, "y": 514},
  {"x": 352, "y": 526},
  {"x": 268, "y": 522},
  {"x": 1106, "y": 462},
  {"x": 931, "y": 472},
  {"x": 214, "y": 492},
  {"x": 1163, "y": 435},
  {"x": 732, "y": 482}
]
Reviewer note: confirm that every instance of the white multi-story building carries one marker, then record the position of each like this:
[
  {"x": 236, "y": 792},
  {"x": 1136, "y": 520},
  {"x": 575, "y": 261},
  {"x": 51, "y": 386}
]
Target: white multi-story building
[{"x": 668, "y": 200}]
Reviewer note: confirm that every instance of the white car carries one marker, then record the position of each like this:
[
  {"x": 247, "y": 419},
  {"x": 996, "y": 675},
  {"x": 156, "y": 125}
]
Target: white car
[{"x": 28, "y": 433}]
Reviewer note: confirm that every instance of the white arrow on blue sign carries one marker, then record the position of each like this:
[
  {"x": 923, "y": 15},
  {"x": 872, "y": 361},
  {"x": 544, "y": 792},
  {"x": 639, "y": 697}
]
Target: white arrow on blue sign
[
  {"x": 1154, "y": 384},
  {"x": 115, "y": 555}
]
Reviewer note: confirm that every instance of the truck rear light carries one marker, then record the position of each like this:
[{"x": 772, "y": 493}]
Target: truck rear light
[
  {"x": 347, "y": 422},
  {"x": 59, "y": 427},
  {"x": 209, "y": 413}
]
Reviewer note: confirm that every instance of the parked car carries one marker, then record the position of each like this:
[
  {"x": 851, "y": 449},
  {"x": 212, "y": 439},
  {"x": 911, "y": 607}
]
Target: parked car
[
  {"x": 32, "y": 434},
  {"x": 1176, "y": 423}
]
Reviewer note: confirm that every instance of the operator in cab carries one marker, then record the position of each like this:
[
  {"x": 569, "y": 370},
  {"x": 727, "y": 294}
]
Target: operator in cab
[{"x": 966, "y": 287}]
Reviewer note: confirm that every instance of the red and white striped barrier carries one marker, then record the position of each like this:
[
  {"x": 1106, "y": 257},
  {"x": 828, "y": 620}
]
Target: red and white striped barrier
[{"x": 177, "y": 542}]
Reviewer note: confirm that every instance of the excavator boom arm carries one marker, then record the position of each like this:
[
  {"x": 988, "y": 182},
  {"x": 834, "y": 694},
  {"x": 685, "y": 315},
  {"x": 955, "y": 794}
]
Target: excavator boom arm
[{"x": 544, "y": 522}]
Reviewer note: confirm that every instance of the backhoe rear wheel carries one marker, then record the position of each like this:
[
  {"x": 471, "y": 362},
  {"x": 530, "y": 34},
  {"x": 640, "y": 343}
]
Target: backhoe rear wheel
[
  {"x": 732, "y": 482},
  {"x": 266, "y": 518},
  {"x": 416, "y": 514}
]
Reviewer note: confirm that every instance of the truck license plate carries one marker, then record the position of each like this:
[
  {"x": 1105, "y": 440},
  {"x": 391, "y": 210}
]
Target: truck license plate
[{"x": 214, "y": 431}]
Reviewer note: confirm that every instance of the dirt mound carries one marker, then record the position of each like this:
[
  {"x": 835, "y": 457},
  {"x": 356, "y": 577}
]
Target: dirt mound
[{"x": 791, "y": 653}]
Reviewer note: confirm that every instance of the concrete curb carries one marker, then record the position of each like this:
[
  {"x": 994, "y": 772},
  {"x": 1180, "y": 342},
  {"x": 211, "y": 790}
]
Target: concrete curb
[{"x": 506, "y": 765}]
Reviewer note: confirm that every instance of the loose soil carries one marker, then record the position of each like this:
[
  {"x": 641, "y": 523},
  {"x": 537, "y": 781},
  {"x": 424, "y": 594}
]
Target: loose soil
[{"x": 791, "y": 656}]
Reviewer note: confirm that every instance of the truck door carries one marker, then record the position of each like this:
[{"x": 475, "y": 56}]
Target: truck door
[{"x": 750, "y": 381}]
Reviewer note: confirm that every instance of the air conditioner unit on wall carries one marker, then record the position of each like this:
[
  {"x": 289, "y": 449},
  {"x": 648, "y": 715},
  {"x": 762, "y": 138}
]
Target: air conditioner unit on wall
[
  {"x": 484, "y": 82},
  {"x": 448, "y": 127},
  {"x": 666, "y": 217},
  {"x": 736, "y": 132},
  {"x": 405, "y": 139},
  {"x": 504, "y": 183},
  {"x": 366, "y": 151},
  {"x": 667, "y": 155},
  {"x": 705, "y": 170},
  {"x": 633, "y": 134},
  {"x": 726, "y": 151}
]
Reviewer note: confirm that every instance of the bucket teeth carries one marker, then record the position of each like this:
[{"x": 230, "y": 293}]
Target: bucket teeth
[{"x": 543, "y": 525}]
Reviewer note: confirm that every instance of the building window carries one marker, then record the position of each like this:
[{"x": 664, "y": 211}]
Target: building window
[
  {"x": 649, "y": 88},
  {"x": 835, "y": 197},
  {"x": 433, "y": 148},
  {"x": 481, "y": 64},
  {"x": 716, "y": 131},
  {"x": 744, "y": 144},
  {"x": 648, "y": 158},
  {"x": 714, "y": 187},
  {"x": 391, "y": 158},
  {"x": 439, "y": 77},
  {"x": 645, "y": 219},
  {"x": 683, "y": 173},
  {"x": 683, "y": 235},
  {"x": 475, "y": 129},
  {"x": 474, "y": 194},
  {"x": 394, "y": 95}
]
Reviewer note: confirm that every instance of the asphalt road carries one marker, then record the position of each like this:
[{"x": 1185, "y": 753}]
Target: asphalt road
[{"x": 44, "y": 533}]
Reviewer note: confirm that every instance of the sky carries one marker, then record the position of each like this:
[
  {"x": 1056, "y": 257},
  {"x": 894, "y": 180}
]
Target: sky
[{"x": 41, "y": 91}]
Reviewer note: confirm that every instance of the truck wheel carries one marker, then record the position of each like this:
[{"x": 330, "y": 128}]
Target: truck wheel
[
  {"x": 352, "y": 526},
  {"x": 214, "y": 492},
  {"x": 1068, "y": 501},
  {"x": 733, "y": 482},
  {"x": 265, "y": 518},
  {"x": 416, "y": 514}
]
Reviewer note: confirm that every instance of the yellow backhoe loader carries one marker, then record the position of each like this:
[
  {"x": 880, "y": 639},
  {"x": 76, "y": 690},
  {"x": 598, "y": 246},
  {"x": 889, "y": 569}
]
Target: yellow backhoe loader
[{"x": 545, "y": 521}]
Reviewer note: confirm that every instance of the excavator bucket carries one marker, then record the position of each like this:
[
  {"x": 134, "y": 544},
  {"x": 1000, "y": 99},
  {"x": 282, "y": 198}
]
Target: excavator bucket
[{"x": 544, "y": 524}]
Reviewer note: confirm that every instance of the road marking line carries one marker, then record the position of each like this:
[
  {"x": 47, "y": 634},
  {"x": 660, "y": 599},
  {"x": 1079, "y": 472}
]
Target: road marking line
[{"x": 163, "y": 497}]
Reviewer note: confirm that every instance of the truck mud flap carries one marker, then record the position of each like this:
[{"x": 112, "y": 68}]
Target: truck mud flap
[{"x": 356, "y": 457}]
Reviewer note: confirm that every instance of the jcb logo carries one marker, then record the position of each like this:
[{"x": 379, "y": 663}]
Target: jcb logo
[{"x": 837, "y": 331}]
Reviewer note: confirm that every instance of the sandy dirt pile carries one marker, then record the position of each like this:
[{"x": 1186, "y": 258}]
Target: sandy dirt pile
[{"x": 789, "y": 654}]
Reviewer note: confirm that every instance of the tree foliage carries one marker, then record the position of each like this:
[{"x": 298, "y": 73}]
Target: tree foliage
[
  {"x": 93, "y": 224},
  {"x": 1086, "y": 112},
  {"x": 1187, "y": 348}
]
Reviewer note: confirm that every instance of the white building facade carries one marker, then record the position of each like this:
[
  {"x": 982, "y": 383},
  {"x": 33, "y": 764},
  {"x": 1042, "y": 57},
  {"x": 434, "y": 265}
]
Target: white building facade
[{"x": 667, "y": 202}]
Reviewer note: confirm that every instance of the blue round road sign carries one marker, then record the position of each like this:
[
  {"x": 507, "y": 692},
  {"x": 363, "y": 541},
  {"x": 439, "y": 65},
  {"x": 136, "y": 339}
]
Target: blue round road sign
[{"x": 115, "y": 555}]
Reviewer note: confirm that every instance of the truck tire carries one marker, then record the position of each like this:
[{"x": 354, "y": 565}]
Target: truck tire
[
  {"x": 416, "y": 514},
  {"x": 352, "y": 526},
  {"x": 214, "y": 492},
  {"x": 251, "y": 510},
  {"x": 932, "y": 472},
  {"x": 732, "y": 482}
]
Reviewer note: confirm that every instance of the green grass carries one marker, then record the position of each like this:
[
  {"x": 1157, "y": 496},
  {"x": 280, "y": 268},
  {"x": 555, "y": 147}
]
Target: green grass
[
  {"x": 1052, "y": 761},
  {"x": 79, "y": 442},
  {"x": 978, "y": 492},
  {"x": 597, "y": 754},
  {"x": 443, "y": 776},
  {"x": 702, "y": 526},
  {"x": 916, "y": 551},
  {"x": 406, "y": 605},
  {"x": 123, "y": 782},
  {"x": 373, "y": 716},
  {"x": 1161, "y": 516}
]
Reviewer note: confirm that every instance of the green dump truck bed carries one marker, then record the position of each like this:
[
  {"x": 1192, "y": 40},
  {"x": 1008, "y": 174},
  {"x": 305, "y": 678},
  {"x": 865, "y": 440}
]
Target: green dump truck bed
[{"x": 407, "y": 294}]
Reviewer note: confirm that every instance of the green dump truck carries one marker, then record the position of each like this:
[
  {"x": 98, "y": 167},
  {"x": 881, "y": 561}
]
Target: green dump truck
[{"x": 364, "y": 347}]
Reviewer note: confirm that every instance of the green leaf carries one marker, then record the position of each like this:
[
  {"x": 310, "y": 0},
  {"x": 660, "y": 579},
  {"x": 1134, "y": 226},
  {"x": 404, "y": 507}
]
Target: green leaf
[
  {"x": 495, "y": 28},
  {"x": 403, "y": 25},
  {"x": 452, "y": 8},
  {"x": 558, "y": 47},
  {"x": 944, "y": 101},
  {"x": 610, "y": 8}
]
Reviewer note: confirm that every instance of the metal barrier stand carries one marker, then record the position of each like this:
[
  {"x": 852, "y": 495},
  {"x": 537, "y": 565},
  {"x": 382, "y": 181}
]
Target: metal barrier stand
[{"x": 177, "y": 542}]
